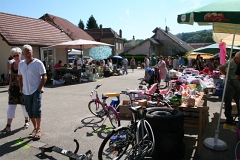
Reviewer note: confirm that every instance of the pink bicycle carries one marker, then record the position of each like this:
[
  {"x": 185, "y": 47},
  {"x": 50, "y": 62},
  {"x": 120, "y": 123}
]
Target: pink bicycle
[{"x": 100, "y": 108}]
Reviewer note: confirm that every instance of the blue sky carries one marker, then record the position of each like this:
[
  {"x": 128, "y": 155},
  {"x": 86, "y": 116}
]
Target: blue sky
[{"x": 135, "y": 17}]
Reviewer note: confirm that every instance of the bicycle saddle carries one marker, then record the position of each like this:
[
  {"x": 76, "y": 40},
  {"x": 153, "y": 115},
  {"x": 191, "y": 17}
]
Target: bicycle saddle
[
  {"x": 135, "y": 109},
  {"x": 104, "y": 97}
]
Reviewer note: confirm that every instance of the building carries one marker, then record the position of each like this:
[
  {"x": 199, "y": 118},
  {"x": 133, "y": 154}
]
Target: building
[
  {"x": 108, "y": 35},
  {"x": 40, "y": 33},
  {"x": 161, "y": 43}
]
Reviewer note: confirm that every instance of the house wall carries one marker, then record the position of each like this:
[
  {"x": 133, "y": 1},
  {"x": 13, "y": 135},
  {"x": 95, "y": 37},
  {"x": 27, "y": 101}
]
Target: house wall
[
  {"x": 141, "y": 49},
  {"x": 61, "y": 54},
  {"x": 4, "y": 54},
  {"x": 36, "y": 52}
]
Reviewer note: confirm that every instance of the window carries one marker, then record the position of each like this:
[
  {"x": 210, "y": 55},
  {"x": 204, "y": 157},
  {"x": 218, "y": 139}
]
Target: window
[
  {"x": 173, "y": 51},
  {"x": 116, "y": 46},
  {"x": 120, "y": 46}
]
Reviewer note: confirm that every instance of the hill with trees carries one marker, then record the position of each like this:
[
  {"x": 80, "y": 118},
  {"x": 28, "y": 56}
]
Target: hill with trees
[{"x": 204, "y": 36}]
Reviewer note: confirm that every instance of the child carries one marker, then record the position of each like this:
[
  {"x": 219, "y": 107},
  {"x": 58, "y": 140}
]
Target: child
[
  {"x": 148, "y": 74},
  {"x": 167, "y": 79}
]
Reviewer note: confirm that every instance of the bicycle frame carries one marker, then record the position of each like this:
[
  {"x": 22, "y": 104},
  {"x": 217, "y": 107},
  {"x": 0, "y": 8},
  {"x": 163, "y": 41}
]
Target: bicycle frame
[
  {"x": 103, "y": 103},
  {"x": 140, "y": 125}
]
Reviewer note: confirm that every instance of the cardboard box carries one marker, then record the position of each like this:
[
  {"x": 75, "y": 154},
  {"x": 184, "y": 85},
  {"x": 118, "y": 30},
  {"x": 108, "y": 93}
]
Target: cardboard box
[
  {"x": 142, "y": 103},
  {"x": 124, "y": 111}
]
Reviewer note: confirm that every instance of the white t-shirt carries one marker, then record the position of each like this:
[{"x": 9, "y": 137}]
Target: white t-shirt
[
  {"x": 31, "y": 75},
  {"x": 147, "y": 62},
  {"x": 175, "y": 64},
  {"x": 11, "y": 61}
]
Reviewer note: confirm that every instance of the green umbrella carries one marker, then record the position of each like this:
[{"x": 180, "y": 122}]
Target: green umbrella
[
  {"x": 214, "y": 48},
  {"x": 224, "y": 11}
]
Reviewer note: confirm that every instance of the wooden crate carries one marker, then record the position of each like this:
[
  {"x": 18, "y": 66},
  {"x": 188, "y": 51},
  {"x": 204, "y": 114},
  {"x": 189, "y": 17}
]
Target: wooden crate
[{"x": 124, "y": 111}]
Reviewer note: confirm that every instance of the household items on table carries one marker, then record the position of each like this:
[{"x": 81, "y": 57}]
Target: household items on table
[{"x": 86, "y": 74}]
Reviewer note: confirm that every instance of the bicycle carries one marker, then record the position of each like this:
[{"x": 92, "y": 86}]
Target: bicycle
[
  {"x": 100, "y": 108},
  {"x": 71, "y": 155},
  {"x": 134, "y": 142}
]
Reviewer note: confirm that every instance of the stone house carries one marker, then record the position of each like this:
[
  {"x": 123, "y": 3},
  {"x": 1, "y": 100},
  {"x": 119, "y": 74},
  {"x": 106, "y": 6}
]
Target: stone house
[{"x": 161, "y": 43}]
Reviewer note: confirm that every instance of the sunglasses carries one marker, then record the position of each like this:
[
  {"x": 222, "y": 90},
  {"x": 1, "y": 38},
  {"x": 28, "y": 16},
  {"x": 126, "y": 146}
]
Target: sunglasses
[{"x": 17, "y": 55}]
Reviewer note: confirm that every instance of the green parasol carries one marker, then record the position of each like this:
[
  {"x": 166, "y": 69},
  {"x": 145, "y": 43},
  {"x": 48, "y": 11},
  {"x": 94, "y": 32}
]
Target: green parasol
[{"x": 224, "y": 11}]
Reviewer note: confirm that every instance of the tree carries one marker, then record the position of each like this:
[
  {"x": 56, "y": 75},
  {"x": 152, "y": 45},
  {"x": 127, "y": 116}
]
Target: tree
[
  {"x": 92, "y": 23},
  {"x": 208, "y": 39},
  {"x": 81, "y": 24}
]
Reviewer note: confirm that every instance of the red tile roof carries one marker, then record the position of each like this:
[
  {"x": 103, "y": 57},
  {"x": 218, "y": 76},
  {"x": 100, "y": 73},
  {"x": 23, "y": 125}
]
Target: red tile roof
[
  {"x": 71, "y": 30},
  {"x": 19, "y": 30},
  {"x": 97, "y": 34}
]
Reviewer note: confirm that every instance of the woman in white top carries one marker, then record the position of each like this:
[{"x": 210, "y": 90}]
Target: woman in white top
[
  {"x": 14, "y": 97},
  {"x": 162, "y": 69}
]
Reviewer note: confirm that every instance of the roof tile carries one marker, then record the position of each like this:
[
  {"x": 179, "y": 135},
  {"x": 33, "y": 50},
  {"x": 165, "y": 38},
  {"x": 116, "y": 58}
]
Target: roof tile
[
  {"x": 72, "y": 30},
  {"x": 106, "y": 33},
  {"x": 19, "y": 30}
]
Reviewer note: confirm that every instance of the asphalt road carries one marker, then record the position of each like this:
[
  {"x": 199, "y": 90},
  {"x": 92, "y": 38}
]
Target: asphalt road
[{"x": 65, "y": 116}]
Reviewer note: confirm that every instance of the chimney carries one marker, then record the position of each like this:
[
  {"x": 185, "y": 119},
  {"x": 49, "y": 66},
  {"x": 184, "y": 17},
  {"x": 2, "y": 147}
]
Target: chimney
[
  {"x": 133, "y": 41},
  {"x": 166, "y": 29},
  {"x": 101, "y": 29},
  {"x": 120, "y": 33}
]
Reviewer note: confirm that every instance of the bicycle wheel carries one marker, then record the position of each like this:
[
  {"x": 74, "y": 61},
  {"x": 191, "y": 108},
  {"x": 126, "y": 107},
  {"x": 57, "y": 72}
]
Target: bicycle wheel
[
  {"x": 145, "y": 145},
  {"x": 115, "y": 145},
  {"x": 96, "y": 109},
  {"x": 113, "y": 117}
]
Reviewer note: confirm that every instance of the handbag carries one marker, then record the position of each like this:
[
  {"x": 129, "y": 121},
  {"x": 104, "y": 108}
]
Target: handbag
[{"x": 14, "y": 91}]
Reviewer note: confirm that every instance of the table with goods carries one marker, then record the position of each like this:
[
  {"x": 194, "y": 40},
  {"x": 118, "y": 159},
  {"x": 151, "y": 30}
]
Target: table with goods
[{"x": 187, "y": 93}]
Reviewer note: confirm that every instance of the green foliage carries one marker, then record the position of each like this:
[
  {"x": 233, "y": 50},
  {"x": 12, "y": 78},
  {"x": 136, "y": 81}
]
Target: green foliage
[
  {"x": 81, "y": 24},
  {"x": 204, "y": 36},
  {"x": 125, "y": 40},
  {"x": 92, "y": 23}
]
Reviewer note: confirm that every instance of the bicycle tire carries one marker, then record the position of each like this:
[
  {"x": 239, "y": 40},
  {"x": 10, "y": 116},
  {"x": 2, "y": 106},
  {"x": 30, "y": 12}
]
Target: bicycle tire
[
  {"x": 115, "y": 145},
  {"x": 147, "y": 145},
  {"x": 113, "y": 117},
  {"x": 96, "y": 108}
]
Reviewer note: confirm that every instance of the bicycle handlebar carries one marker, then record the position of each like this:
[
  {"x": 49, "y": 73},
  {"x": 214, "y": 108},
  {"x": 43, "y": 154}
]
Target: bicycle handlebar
[
  {"x": 155, "y": 95},
  {"x": 97, "y": 86},
  {"x": 127, "y": 92}
]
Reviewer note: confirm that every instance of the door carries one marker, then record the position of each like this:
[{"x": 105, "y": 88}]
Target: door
[{"x": 48, "y": 56}]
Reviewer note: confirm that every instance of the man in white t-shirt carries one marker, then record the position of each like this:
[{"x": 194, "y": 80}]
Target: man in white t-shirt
[
  {"x": 125, "y": 65},
  {"x": 176, "y": 63},
  {"x": 32, "y": 77},
  {"x": 146, "y": 62}
]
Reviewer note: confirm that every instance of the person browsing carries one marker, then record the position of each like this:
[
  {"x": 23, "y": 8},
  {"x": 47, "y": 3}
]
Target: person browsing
[{"x": 232, "y": 91}]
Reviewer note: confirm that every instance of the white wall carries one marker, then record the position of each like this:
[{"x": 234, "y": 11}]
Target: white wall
[{"x": 140, "y": 49}]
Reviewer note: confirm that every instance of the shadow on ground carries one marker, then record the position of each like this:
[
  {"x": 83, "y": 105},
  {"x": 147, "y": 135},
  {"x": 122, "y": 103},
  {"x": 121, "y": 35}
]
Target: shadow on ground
[
  {"x": 227, "y": 135},
  {"x": 97, "y": 125},
  {"x": 14, "y": 145}
]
